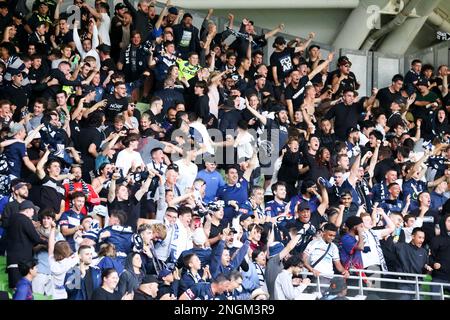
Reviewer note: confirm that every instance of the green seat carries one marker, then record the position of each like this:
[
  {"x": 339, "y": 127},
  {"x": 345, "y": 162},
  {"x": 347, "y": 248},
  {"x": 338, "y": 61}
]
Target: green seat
[
  {"x": 2, "y": 264},
  {"x": 39, "y": 296}
]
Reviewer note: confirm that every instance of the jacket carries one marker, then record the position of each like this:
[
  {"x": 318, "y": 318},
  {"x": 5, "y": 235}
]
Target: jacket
[
  {"x": 22, "y": 237},
  {"x": 79, "y": 288},
  {"x": 216, "y": 264},
  {"x": 179, "y": 32},
  {"x": 440, "y": 251},
  {"x": 129, "y": 280},
  {"x": 411, "y": 259}
]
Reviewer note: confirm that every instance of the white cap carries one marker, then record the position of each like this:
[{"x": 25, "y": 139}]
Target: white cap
[{"x": 199, "y": 237}]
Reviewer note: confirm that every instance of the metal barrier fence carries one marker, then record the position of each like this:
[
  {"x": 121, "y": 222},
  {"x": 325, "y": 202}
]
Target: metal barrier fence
[{"x": 417, "y": 282}]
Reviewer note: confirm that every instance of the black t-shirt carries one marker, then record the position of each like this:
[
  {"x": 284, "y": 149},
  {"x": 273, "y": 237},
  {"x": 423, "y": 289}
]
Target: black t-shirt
[
  {"x": 114, "y": 106},
  {"x": 102, "y": 294},
  {"x": 386, "y": 97},
  {"x": 283, "y": 62},
  {"x": 216, "y": 230},
  {"x": 345, "y": 117},
  {"x": 430, "y": 220},
  {"x": 297, "y": 94},
  {"x": 131, "y": 207},
  {"x": 52, "y": 193}
]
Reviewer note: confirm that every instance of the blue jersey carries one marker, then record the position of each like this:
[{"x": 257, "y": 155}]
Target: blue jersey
[
  {"x": 200, "y": 291},
  {"x": 121, "y": 237},
  {"x": 389, "y": 206},
  {"x": 414, "y": 188},
  {"x": 380, "y": 192},
  {"x": 70, "y": 219},
  {"x": 313, "y": 203},
  {"x": 237, "y": 192},
  {"x": 247, "y": 208},
  {"x": 274, "y": 208},
  {"x": 213, "y": 181}
]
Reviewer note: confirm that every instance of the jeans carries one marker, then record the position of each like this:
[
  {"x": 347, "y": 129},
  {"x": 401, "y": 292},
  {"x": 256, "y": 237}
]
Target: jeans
[{"x": 437, "y": 289}]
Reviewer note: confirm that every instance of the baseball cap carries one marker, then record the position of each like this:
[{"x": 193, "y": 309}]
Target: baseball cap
[
  {"x": 233, "y": 230},
  {"x": 187, "y": 15},
  {"x": 303, "y": 206},
  {"x": 14, "y": 71},
  {"x": 400, "y": 100},
  {"x": 259, "y": 76},
  {"x": 199, "y": 237},
  {"x": 278, "y": 41},
  {"x": 275, "y": 249},
  {"x": 149, "y": 278},
  {"x": 351, "y": 130},
  {"x": 422, "y": 82},
  {"x": 104, "y": 48},
  {"x": 88, "y": 89},
  {"x": 42, "y": 2},
  {"x": 259, "y": 292},
  {"x": 27, "y": 204},
  {"x": 164, "y": 273},
  {"x": 278, "y": 108},
  {"x": 19, "y": 15},
  {"x": 120, "y": 6},
  {"x": 337, "y": 284},
  {"x": 173, "y": 10},
  {"x": 16, "y": 184},
  {"x": 15, "y": 128},
  {"x": 3, "y": 4},
  {"x": 244, "y": 217},
  {"x": 313, "y": 46}
]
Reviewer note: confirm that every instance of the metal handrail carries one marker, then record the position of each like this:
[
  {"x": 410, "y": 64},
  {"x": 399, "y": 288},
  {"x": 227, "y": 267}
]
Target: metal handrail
[{"x": 417, "y": 283}]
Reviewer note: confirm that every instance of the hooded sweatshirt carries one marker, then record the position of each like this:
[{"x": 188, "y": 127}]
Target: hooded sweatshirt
[
  {"x": 440, "y": 251},
  {"x": 129, "y": 280}
]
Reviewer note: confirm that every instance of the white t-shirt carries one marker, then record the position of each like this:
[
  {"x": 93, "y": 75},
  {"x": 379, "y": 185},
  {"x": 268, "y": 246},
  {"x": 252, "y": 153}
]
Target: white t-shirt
[
  {"x": 187, "y": 175},
  {"x": 371, "y": 258},
  {"x": 316, "y": 249},
  {"x": 59, "y": 270},
  {"x": 214, "y": 99},
  {"x": 125, "y": 159},
  {"x": 244, "y": 146},
  {"x": 103, "y": 30}
]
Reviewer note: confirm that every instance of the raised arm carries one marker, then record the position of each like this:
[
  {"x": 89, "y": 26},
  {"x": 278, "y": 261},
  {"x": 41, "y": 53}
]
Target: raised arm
[
  {"x": 354, "y": 171},
  {"x": 257, "y": 115},
  {"x": 321, "y": 66},
  {"x": 40, "y": 165},
  {"x": 303, "y": 46},
  {"x": 274, "y": 31},
  {"x": 76, "y": 39}
]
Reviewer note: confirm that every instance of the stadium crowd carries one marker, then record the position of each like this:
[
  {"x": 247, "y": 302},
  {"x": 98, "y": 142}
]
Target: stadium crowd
[{"x": 143, "y": 158}]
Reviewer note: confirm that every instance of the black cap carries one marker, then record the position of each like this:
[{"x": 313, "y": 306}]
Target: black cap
[
  {"x": 149, "y": 278},
  {"x": 422, "y": 82},
  {"x": 42, "y": 2},
  {"x": 233, "y": 230},
  {"x": 259, "y": 76},
  {"x": 303, "y": 206},
  {"x": 120, "y": 6},
  {"x": 244, "y": 217},
  {"x": 278, "y": 108},
  {"x": 18, "y": 15},
  {"x": 313, "y": 46},
  {"x": 14, "y": 72},
  {"x": 173, "y": 10},
  {"x": 187, "y": 15},
  {"x": 351, "y": 130},
  {"x": 3, "y": 5},
  {"x": 27, "y": 204},
  {"x": 88, "y": 89},
  {"x": 400, "y": 100},
  {"x": 104, "y": 48},
  {"x": 278, "y": 41},
  {"x": 337, "y": 284}
]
